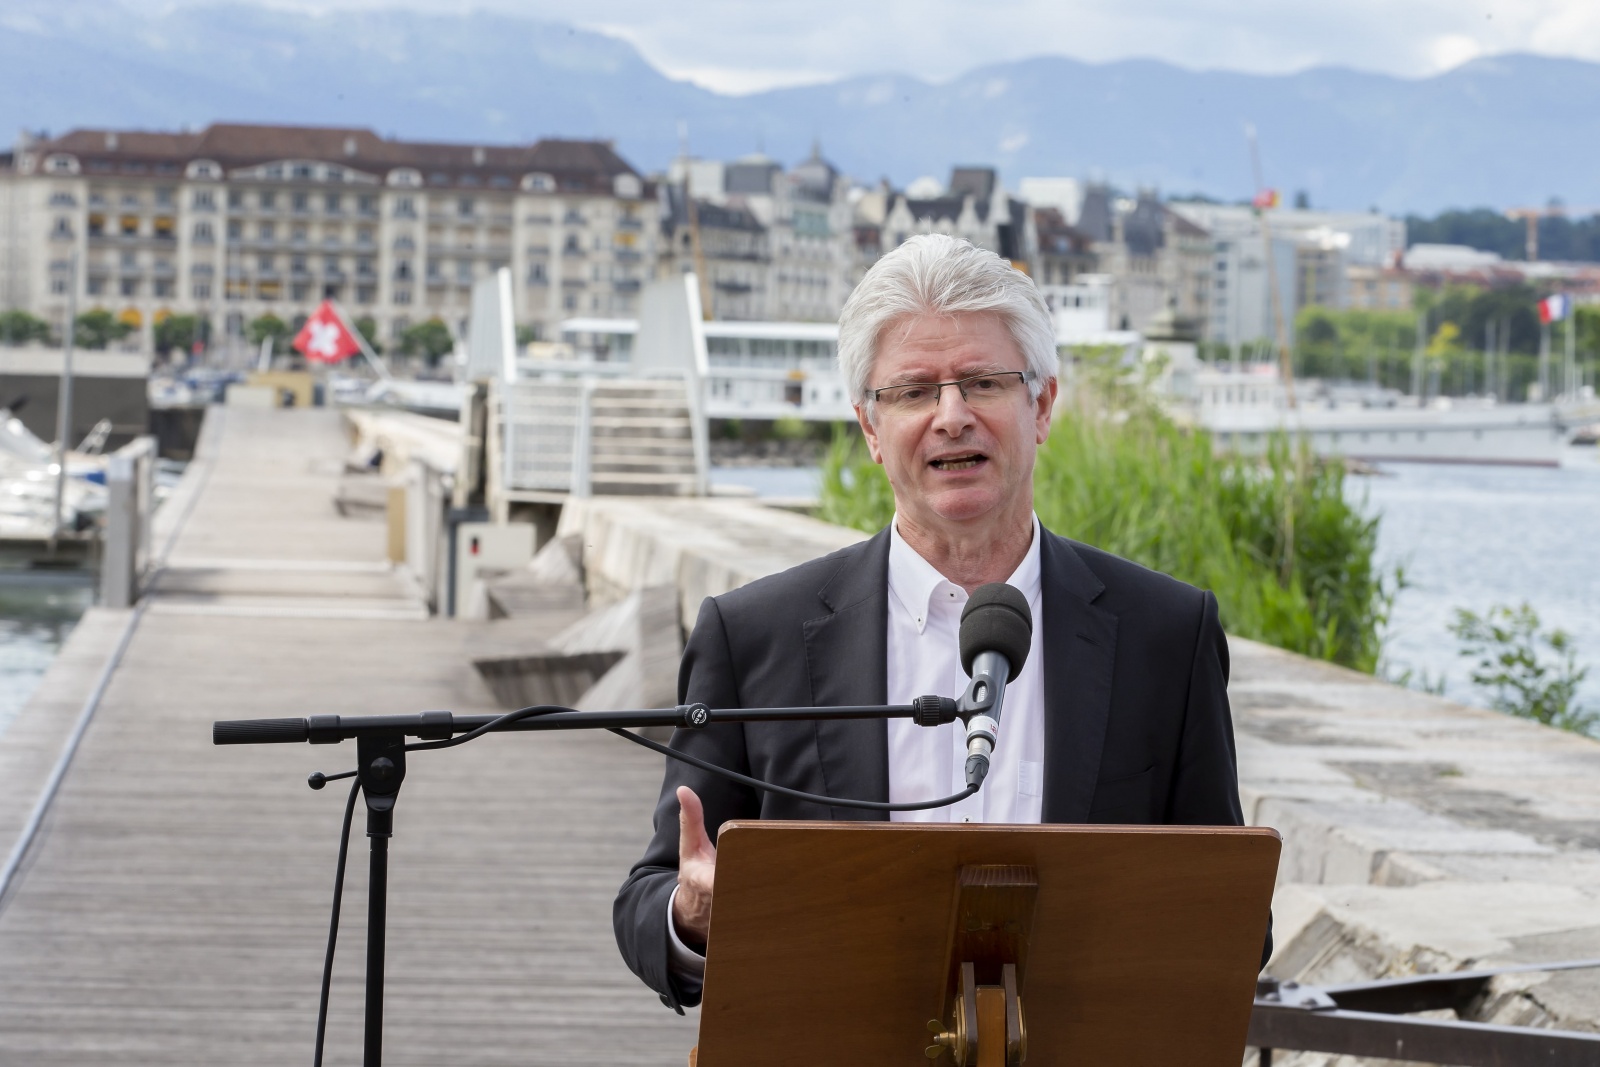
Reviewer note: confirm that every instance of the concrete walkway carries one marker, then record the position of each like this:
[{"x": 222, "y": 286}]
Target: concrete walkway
[{"x": 174, "y": 908}]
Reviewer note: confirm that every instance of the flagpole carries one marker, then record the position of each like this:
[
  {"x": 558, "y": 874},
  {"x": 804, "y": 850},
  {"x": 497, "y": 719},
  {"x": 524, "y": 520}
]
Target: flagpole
[
  {"x": 1569, "y": 388},
  {"x": 366, "y": 349}
]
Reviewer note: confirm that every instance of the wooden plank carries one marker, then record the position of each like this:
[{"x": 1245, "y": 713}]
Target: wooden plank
[{"x": 174, "y": 909}]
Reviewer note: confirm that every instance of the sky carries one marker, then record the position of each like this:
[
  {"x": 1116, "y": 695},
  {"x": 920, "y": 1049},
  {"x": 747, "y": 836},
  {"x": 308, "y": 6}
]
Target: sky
[{"x": 737, "y": 46}]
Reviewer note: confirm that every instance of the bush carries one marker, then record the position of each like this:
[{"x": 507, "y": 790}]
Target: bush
[
  {"x": 431, "y": 340},
  {"x": 1288, "y": 557},
  {"x": 1521, "y": 681},
  {"x": 98, "y": 328},
  {"x": 19, "y": 327}
]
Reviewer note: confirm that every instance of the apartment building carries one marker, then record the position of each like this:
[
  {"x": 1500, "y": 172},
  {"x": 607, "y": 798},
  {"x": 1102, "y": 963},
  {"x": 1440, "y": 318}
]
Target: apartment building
[
  {"x": 776, "y": 244},
  {"x": 239, "y": 221}
]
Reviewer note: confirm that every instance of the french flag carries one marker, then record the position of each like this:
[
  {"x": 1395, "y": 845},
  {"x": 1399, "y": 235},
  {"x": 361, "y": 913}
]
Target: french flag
[{"x": 1555, "y": 308}]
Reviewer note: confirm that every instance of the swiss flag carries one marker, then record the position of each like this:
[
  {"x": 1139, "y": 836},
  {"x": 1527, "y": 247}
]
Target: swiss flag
[{"x": 324, "y": 338}]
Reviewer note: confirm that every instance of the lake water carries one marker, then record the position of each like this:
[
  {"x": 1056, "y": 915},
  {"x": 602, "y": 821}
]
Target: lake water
[
  {"x": 1477, "y": 537},
  {"x": 37, "y": 612},
  {"x": 1468, "y": 537}
]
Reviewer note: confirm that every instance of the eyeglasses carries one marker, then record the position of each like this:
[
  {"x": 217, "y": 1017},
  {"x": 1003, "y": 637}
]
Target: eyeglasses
[{"x": 980, "y": 390}]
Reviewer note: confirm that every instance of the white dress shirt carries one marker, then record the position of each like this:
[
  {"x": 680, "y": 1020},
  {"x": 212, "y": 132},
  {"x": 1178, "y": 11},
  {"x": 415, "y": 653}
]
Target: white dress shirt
[
  {"x": 926, "y": 763},
  {"x": 925, "y": 658}
]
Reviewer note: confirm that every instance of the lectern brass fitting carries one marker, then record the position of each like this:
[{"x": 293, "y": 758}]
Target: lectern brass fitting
[{"x": 954, "y": 1039}]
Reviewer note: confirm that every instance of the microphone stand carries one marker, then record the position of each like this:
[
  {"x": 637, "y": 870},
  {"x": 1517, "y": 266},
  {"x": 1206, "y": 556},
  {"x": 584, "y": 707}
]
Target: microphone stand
[{"x": 381, "y": 767}]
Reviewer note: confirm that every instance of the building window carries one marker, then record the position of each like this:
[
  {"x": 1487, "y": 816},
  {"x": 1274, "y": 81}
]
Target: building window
[
  {"x": 364, "y": 266},
  {"x": 300, "y": 203},
  {"x": 402, "y": 271},
  {"x": 402, "y": 296},
  {"x": 404, "y": 208},
  {"x": 269, "y": 200},
  {"x": 130, "y": 286},
  {"x": 264, "y": 263},
  {"x": 297, "y": 264},
  {"x": 404, "y": 243},
  {"x": 63, "y": 228},
  {"x": 464, "y": 207},
  {"x": 364, "y": 235},
  {"x": 366, "y": 294},
  {"x": 163, "y": 287},
  {"x": 164, "y": 197},
  {"x": 97, "y": 286},
  {"x": 268, "y": 231},
  {"x": 63, "y": 199},
  {"x": 298, "y": 235},
  {"x": 367, "y": 205},
  {"x": 235, "y": 229},
  {"x": 235, "y": 200},
  {"x": 333, "y": 203},
  {"x": 203, "y": 200},
  {"x": 202, "y": 290},
  {"x": 58, "y": 286}
]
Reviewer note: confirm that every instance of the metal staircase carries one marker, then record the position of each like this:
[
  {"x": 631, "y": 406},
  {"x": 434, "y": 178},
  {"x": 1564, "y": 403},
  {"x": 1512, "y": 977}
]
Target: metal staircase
[{"x": 597, "y": 436}]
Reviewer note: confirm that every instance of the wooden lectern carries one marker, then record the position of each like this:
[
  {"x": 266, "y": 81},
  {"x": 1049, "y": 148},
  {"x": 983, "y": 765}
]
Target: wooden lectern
[{"x": 984, "y": 946}]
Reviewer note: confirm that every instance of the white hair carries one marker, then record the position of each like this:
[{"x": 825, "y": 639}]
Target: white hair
[{"x": 936, "y": 274}]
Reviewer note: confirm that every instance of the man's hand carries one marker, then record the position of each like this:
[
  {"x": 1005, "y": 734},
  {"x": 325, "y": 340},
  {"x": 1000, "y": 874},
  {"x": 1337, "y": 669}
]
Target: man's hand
[{"x": 697, "y": 866}]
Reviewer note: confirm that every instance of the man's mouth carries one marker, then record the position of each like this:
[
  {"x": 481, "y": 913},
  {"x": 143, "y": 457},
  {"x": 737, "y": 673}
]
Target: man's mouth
[{"x": 963, "y": 462}]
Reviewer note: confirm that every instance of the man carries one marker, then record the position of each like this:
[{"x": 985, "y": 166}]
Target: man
[{"x": 1120, "y": 714}]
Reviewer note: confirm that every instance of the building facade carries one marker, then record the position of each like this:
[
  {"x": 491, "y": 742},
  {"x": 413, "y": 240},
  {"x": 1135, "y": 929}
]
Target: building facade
[
  {"x": 799, "y": 219},
  {"x": 240, "y": 221}
]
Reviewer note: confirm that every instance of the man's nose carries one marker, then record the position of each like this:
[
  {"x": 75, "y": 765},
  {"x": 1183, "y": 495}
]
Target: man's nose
[{"x": 951, "y": 412}]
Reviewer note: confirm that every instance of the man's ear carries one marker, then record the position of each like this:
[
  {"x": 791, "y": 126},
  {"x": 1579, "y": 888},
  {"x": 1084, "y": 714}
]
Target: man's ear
[
  {"x": 870, "y": 432},
  {"x": 1044, "y": 407}
]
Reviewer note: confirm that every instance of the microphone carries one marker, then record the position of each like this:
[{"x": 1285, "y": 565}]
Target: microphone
[{"x": 996, "y": 632}]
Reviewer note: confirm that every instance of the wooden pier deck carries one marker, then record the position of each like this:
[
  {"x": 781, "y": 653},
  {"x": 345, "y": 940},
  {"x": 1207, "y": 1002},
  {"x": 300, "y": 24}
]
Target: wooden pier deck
[{"x": 174, "y": 906}]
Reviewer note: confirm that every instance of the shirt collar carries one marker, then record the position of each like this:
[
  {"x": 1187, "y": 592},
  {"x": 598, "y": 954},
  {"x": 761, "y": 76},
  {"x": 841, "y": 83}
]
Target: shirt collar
[{"x": 915, "y": 582}]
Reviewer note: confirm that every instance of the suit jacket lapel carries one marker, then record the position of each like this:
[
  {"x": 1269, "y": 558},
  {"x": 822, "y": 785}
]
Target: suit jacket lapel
[
  {"x": 1079, "y": 645},
  {"x": 847, "y": 658}
]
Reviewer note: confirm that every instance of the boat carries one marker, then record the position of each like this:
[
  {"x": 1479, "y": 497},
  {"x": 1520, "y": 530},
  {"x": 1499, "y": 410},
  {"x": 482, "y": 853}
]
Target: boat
[{"x": 28, "y": 478}]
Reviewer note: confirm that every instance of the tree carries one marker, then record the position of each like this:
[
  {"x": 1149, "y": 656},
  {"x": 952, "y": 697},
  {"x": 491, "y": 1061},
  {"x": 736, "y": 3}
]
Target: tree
[
  {"x": 367, "y": 327},
  {"x": 19, "y": 327},
  {"x": 431, "y": 340},
  {"x": 266, "y": 327},
  {"x": 528, "y": 332},
  {"x": 177, "y": 333},
  {"x": 98, "y": 328}
]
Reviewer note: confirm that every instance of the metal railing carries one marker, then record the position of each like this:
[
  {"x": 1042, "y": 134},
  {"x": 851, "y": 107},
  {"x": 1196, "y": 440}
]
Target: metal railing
[
  {"x": 130, "y": 506},
  {"x": 1370, "y": 1019}
]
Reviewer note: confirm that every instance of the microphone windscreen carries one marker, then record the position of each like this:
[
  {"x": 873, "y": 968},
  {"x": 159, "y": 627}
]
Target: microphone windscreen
[{"x": 996, "y": 619}]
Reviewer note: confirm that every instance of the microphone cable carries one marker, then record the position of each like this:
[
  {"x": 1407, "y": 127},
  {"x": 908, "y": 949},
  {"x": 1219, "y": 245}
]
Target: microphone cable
[
  {"x": 768, "y": 787},
  {"x": 333, "y": 923},
  {"x": 318, "y": 780}
]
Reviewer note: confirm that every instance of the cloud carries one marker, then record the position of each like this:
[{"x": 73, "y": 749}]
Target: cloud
[{"x": 1452, "y": 50}]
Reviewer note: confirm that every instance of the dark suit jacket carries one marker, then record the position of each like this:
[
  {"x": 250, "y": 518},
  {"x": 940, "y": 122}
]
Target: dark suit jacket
[{"x": 1136, "y": 730}]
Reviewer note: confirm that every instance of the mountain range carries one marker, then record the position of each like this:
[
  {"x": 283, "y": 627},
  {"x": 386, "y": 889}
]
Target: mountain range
[{"x": 1506, "y": 131}]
